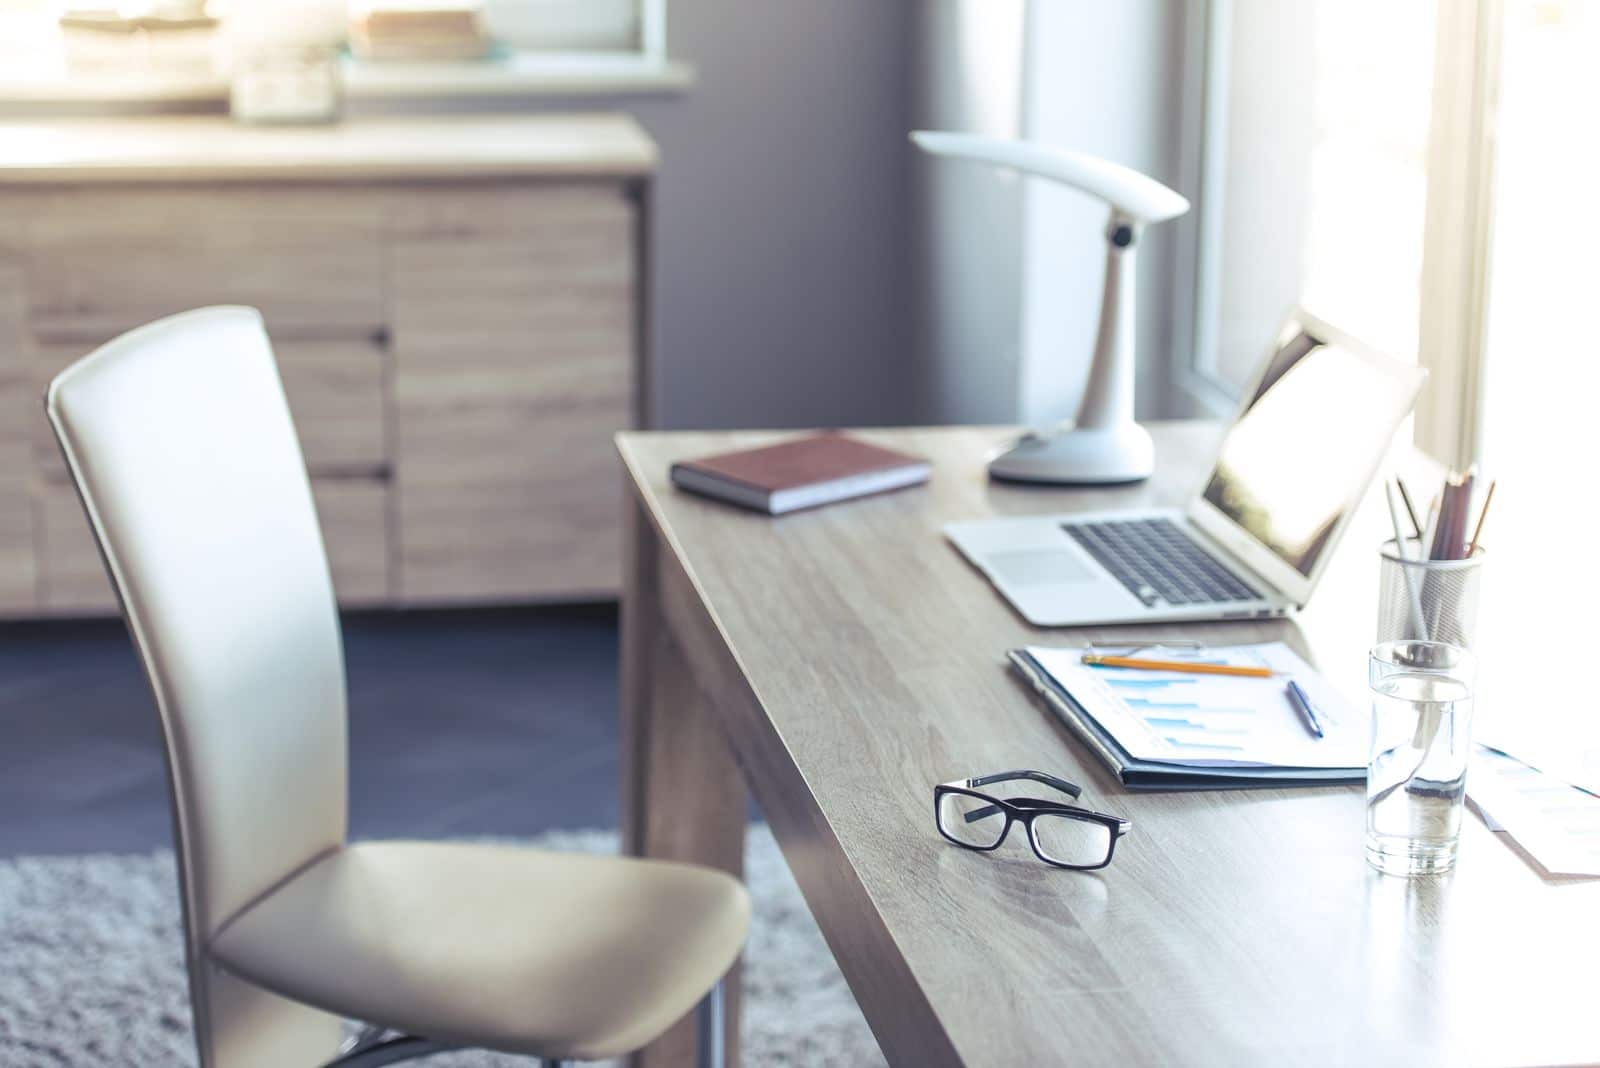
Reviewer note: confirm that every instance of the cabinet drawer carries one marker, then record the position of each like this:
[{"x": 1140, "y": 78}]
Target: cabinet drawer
[
  {"x": 353, "y": 514},
  {"x": 337, "y": 393},
  {"x": 102, "y": 261}
]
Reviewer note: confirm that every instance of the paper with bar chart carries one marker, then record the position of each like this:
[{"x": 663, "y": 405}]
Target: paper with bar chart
[
  {"x": 1553, "y": 820},
  {"x": 1214, "y": 720}
]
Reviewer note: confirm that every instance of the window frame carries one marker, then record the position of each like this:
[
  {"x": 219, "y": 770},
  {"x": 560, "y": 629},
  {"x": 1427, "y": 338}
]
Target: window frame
[
  {"x": 1196, "y": 387},
  {"x": 1458, "y": 231}
]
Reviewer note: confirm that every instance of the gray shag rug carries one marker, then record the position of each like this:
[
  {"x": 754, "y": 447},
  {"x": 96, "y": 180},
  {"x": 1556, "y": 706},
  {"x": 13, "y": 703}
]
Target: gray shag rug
[{"x": 91, "y": 966}]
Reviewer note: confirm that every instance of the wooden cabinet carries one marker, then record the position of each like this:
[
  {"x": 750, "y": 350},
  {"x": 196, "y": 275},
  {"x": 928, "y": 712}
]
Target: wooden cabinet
[{"x": 458, "y": 338}]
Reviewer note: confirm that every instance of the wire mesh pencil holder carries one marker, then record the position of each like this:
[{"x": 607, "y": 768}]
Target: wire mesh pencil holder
[{"x": 1430, "y": 600}]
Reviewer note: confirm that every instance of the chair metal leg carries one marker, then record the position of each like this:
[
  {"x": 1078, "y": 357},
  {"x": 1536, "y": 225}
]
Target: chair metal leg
[
  {"x": 710, "y": 1052},
  {"x": 371, "y": 1049},
  {"x": 376, "y": 1046}
]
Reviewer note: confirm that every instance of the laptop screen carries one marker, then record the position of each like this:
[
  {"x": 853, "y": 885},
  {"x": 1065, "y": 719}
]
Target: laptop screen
[{"x": 1318, "y": 424}]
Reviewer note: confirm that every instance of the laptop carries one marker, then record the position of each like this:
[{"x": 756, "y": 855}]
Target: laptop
[{"x": 1315, "y": 423}]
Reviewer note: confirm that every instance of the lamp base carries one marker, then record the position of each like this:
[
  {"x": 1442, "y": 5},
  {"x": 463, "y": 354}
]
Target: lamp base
[{"x": 1089, "y": 457}]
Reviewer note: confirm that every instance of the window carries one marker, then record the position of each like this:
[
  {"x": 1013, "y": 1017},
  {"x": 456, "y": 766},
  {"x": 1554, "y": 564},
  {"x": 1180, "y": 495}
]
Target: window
[
  {"x": 1313, "y": 178},
  {"x": 1421, "y": 173}
]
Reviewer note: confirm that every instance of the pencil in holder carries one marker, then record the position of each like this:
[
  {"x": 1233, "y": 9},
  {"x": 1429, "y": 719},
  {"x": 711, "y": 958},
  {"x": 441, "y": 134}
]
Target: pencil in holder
[{"x": 1428, "y": 600}]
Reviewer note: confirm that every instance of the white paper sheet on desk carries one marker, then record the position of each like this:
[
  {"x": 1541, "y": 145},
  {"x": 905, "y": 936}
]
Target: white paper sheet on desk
[
  {"x": 1550, "y": 738},
  {"x": 1558, "y": 823},
  {"x": 1215, "y": 719}
]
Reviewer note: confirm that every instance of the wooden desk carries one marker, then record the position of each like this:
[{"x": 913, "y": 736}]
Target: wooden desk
[{"x": 840, "y": 662}]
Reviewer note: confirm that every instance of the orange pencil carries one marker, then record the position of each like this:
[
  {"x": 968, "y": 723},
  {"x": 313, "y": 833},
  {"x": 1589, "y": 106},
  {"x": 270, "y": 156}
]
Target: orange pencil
[
  {"x": 1477, "y": 531},
  {"x": 1187, "y": 666}
]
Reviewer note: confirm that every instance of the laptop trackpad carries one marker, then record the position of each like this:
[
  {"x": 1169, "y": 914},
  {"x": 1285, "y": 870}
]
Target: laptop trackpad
[{"x": 1040, "y": 567}]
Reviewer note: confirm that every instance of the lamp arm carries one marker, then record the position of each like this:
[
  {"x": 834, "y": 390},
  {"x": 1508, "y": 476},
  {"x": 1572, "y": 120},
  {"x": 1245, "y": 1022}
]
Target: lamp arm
[{"x": 1108, "y": 393}]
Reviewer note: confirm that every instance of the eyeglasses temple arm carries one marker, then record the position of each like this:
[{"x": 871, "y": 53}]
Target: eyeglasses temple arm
[
  {"x": 1070, "y": 789},
  {"x": 982, "y": 813}
]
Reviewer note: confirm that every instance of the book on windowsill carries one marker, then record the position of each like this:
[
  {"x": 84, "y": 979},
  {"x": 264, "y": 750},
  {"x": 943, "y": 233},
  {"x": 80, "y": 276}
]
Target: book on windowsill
[{"x": 801, "y": 473}]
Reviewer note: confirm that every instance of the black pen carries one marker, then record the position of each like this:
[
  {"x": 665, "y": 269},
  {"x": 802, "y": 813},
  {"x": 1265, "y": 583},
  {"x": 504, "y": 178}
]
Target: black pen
[{"x": 1298, "y": 698}]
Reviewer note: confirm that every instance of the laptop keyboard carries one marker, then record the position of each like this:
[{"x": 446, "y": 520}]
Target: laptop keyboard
[{"x": 1158, "y": 562}]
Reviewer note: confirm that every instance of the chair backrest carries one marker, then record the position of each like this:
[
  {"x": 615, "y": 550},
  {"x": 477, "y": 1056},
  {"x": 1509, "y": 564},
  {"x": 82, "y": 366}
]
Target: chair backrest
[{"x": 180, "y": 441}]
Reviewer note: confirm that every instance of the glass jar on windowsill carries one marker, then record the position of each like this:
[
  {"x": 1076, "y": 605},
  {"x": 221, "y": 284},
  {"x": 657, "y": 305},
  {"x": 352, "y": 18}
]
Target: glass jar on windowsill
[{"x": 286, "y": 83}]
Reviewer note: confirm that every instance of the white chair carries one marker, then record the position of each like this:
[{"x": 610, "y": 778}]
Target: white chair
[{"x": 180, "y": 442}]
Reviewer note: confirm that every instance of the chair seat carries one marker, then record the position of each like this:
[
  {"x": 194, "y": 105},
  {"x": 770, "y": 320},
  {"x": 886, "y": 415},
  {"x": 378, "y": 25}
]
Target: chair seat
[{"x": 549, "y": 954}]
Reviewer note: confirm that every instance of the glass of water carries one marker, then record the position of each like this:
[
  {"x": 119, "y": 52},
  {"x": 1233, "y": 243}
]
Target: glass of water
[{"x": 1421, "y": 738}]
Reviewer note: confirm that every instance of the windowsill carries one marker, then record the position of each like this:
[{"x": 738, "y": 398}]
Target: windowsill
[
  {"x": 512, "y": 77},
  {"x": 519, "y": 74}
]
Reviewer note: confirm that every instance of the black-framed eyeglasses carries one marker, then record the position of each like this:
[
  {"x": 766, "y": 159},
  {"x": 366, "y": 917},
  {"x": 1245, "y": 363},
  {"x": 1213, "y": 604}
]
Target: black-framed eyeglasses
[{"x": 1063, "y": 835}]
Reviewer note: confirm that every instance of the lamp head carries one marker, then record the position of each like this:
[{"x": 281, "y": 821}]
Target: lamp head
[{"x": 1135, "y": 198}]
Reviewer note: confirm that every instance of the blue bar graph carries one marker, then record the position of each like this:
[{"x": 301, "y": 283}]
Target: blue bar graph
[
  {"x": 1185, "y": 659},
  {"x": 1181, "y": 744},
  {"x": 1147, "y": 684},
  {"x": 1140, "y": 705},
  {"x": 1191, "y": 725}
]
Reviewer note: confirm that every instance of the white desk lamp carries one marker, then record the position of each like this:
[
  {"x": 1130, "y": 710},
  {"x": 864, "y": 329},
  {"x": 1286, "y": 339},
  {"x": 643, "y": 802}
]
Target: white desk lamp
[{"x": 1104, "y": 444}]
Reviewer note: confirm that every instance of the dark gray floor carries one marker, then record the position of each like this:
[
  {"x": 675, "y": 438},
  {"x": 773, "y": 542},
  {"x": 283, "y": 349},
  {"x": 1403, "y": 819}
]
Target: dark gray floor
[{"x": 461, "y": 723}]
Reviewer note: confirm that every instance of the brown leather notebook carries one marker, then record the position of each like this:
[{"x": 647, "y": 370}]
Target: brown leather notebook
[{"x": 802, "y": 473}]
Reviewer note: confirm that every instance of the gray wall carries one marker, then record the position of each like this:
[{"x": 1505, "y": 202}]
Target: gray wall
[{"x": 781, "y": 223}]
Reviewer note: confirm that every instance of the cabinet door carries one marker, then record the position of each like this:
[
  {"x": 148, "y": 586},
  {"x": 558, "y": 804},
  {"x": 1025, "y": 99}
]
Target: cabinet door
[
  {"x": 18, "y": 406},
  {"x": 354, "y": 514},
  {"x": 514, "y": 319},
  {"x": 18, "y": 582},
  {"x": 337, "y": 392}
]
